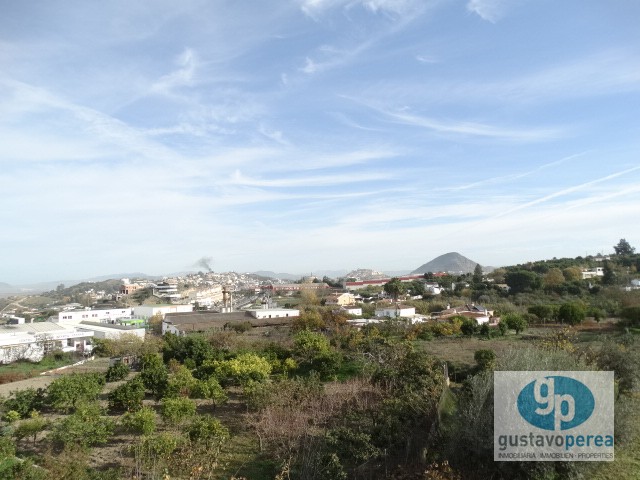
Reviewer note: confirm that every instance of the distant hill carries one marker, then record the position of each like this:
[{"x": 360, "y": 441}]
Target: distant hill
[
  {"x": 281, "y": 276},
  {"x": 451, "y": 262}
]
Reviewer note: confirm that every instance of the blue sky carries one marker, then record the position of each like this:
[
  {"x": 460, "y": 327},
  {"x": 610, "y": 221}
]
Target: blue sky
[{"x": 314, "y": 134}]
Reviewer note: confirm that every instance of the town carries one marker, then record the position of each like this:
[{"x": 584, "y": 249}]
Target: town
[{"x": 233, "y": 368}]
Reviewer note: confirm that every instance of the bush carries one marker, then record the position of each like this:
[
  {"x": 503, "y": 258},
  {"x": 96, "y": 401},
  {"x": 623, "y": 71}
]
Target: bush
[
  {"x": 141, "y": 422},
  {"x": 469, "y": 326},
  {"x": 117, "y": 372},
  {"x": 244, "y": 368},
  {"x": 68, "y": 391},
  {"x": 210, "y": 389},
  {"x": 175, "y": 410},
  {"x": 154, "y": 374},
  {"x": 128, "y": 396},
  {"x": 572, "y": 313},
  {"x": 25, "y": 401},
  {"x": 485, "y": 359},
  {"x": 30, "y": 428},
  {"x": 84, "y": 428},
  {"x": 207, "y": 431}
]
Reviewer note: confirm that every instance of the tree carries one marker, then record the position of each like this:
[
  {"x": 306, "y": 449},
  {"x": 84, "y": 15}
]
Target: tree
[
  {"x": 572, "y": 274},
  {"x": 520, "y": 281},
  {"x": 244, "y": 368},
  {"x": 515, "y": 321},
  {"x": 211, "y": 389},
  {"x": 24, "y": 402},
  {"x": 175, "y": 410},
  {"x": 395, "y": 288},
  {"x": 68, "y": 391},
  {"x": 30, "y": 428},
  {"x": 571, "y": 313},
  {"x": 469, "y": 326},
  {"x": 154, "y": 374},
  {"x": 543, "y": 312},
  {"x": 209, "y": 432},
  {"x": 477, "y": 274},
  {"x": 128, "y": 396},
  {"x": 485, "y": 359},
  {"x": 608, "y": 275},
  {"x": 84, "y": 428},
  {"x": 553, "y": 278},
  {"x": 142, "y": 421},
  {"x": 624, "y": 248},
  {"x": 502, "y": 327},
  {"x": 116, "y": 372},
  {"x": 417, "y": 288}
]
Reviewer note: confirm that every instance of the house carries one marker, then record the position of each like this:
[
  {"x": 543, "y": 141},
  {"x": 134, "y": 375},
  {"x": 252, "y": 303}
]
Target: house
[
  {"x": 593, "y": 272},
  {"x": 31, "y": 341},
  {"x": 341, "y": 299},
  {"x": 352, "y": 310},
  {"x": 477, "y": 312},
  {"x": 395, "y": 310},
  {"x": 433, "y": 288}
]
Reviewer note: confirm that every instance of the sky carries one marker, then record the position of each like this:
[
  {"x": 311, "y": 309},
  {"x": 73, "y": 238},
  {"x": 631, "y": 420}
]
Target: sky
[{"x": 303, "y": 135}]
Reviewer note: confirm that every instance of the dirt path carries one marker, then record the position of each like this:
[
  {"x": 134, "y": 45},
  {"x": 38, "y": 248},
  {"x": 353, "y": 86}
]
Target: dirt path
[{"x": 42, "y": 381}]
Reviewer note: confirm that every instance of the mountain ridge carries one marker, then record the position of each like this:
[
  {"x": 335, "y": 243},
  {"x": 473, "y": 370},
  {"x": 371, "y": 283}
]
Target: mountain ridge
[{"x": 452, "y": 262}]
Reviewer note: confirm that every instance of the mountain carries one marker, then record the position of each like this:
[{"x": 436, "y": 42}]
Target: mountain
[
  {"x": 280, "y": 276},
  {"x": 451, "y": 262}
]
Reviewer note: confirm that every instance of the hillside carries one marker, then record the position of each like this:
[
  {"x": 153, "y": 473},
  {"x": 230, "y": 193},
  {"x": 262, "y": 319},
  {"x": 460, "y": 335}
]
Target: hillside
[{"x": 451, "y": 262}]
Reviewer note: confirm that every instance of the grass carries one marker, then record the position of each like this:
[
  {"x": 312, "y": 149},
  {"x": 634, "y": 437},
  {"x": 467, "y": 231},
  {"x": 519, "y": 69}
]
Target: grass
[
  {"x": 24, "y": 369},
  {"x": 244, "y": 460}
]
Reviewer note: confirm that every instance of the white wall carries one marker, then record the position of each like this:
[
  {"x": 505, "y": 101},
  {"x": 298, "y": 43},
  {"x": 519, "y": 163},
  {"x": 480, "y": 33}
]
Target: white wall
[
  {"x": 78, "y": 316},
  {"x": 147, "y": 311}
]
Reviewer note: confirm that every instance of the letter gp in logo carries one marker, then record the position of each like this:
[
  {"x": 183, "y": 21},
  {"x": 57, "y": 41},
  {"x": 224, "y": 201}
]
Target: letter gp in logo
[{"x": 556, "y": 403}]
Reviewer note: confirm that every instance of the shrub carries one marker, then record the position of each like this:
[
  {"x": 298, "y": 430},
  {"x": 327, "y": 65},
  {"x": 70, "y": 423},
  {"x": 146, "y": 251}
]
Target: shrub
[
  {"x": 117, "y": 372},
  {"x": 128, "y": 396},
  {"x": 141, "y": 422},
  {"x": 154, "y": 374},
  {"x": 25, "y": 401},
  {"x": 84, "y": 428},
  {"x": 485, "y": 359},
  {"x": 469, "y": 326},
  {"x": 11, "y": 416},
  {"x": 210, "y": 389},
  {"x": 68, "y": 391},
  {"x": 175, "y": 410},
  {"x": 244, "y": 368},
  {"x": 208, "y": 431},
  {"x": 30, "y": 428}
]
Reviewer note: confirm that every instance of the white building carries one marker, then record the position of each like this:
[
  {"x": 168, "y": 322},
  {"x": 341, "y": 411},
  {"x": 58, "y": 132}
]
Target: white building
[
  {"x": 77, "y": 316},
  {"x": 32, "y": 340},
  {"x": 168, "y": 289},
  {"x": 148, "y": 311},
  {"x": 395, "y": 311},
  {"x": 262, "y": 313},
  {"x": 593, "y": 272},
  {"x": 101, "y": 323},
  {"x": 352, "y": 310}
]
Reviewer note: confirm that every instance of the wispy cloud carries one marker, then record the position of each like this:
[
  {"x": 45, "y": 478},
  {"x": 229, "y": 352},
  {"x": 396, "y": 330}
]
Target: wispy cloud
[
  {"x": 503, "y": 179},
  {"x": 473, "y": 128},
  {"x": 184, "y": 76},
  {"x": 489, "y": 10},
  {"x": 312, "y": 181}
]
